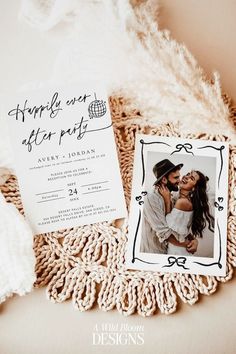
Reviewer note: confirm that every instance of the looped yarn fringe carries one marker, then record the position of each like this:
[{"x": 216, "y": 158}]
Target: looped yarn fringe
[{"x": 86, "y": 264}]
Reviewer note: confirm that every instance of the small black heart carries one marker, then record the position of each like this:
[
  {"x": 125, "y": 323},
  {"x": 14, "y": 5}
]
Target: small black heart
[
  {"x": 220, "y": 199},
  {"x": 144, "y": 193},
  {"x": 138, "y": 198},
  {"x": 140, "y": 203},
  {"x": 220, "y": 208}
]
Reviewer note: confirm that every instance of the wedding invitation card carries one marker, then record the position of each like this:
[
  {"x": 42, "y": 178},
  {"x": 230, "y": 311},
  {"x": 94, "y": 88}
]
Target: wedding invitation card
[{"x": 65, "y": 157}]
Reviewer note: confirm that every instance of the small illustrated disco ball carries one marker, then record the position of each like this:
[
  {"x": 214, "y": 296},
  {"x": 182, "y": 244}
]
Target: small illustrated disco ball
[{"x": 97, "y": 109}]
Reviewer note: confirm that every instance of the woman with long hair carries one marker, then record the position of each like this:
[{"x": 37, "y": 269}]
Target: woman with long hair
[{"x": 191, "y": 212}]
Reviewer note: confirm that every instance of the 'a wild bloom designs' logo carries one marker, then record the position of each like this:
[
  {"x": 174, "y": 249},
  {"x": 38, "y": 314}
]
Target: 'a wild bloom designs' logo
[{"x": 117, "y": 334}]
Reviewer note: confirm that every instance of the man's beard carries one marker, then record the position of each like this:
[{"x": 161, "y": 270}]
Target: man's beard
[{"x": 172, "y": 187}]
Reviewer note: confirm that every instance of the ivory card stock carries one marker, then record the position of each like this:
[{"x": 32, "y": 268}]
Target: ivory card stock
[{"x": 65, "y": 157}]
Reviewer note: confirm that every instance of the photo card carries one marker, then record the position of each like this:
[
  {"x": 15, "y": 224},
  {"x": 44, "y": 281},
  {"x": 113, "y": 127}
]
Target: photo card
[{"x": 178, "y": 210}]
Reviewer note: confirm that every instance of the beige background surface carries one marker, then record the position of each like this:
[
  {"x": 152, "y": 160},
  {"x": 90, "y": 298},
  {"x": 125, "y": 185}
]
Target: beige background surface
[{"x": 34, "y": 325}]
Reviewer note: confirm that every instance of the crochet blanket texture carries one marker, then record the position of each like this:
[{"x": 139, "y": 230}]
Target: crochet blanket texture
[{"x": 86, "y": 264}]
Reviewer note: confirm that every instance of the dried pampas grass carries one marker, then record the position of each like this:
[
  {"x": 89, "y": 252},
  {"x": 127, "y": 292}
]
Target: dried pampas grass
[{"x": 119, "y": 43}]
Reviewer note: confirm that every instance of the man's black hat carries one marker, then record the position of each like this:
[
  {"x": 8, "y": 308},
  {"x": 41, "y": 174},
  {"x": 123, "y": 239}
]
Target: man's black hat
[{"x": 164, "y": 167}]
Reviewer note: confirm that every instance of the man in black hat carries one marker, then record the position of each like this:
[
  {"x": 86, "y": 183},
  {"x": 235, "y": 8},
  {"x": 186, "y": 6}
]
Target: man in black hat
[{"x": 156, "y": 233}]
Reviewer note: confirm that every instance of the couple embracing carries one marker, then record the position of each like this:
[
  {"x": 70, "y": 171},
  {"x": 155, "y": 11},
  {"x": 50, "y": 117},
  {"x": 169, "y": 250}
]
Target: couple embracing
[{"x": 173, "y": 225}]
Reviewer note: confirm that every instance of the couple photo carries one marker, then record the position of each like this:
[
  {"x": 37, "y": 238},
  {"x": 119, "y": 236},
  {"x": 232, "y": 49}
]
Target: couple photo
[{"x": 176, "y": 210}]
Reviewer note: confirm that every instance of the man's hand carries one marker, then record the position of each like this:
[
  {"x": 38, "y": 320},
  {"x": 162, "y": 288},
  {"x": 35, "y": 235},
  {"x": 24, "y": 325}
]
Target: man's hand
[
  {"x": 173, "y": 240},
  {"x": 192, "y": 246}
]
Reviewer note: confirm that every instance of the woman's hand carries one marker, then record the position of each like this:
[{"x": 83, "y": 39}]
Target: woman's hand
[
  {"x": 166, "y": 195},
  {"x": 164, "y": 192}
]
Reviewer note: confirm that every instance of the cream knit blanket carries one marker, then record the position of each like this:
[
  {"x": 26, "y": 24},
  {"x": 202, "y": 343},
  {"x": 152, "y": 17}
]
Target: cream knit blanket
[{"x": 17, "y": 259}]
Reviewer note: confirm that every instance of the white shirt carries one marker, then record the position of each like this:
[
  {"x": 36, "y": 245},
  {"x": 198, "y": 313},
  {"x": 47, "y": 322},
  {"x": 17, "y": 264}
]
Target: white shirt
[{"x": 155, "y": 230}]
